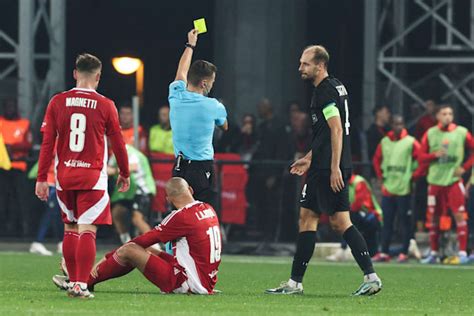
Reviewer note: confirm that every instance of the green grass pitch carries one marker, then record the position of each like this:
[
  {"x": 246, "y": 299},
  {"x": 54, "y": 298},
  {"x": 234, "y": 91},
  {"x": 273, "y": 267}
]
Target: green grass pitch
[{"x": 26, "y": 289}]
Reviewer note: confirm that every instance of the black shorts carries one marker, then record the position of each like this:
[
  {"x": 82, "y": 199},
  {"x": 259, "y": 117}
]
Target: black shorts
[
  {"x": 318, "y": 196},
  {"x": 200, "y": 176},
  {"x": 140, "y": 203}
]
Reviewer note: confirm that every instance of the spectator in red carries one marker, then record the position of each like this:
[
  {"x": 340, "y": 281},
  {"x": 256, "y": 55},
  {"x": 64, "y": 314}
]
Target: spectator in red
[
  {"x": 366, "y": 214},
  {"x": 427, "y": 120}
]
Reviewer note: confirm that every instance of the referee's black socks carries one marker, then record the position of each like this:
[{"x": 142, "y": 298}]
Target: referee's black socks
[
  {"x": 304, "y": 252},
  {"x": 359, "y": 249}
]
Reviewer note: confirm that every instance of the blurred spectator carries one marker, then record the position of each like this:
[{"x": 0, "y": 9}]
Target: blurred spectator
[
  {"x": 427, "y": 120},
  {"x": 444, "y": 147},
  {"x": 299, "y": 135},
  {"x": 161, "y": 137},
  {"x": 126, "y": 122},
  {"x": 394, "y": 162},
  {"x": 272, "y": 145},
  {"x": 18, "y": 141},
  {"x": 51, "y": 216},
  {"x": 378, "y": 129},
  {"x": 470, "y": 197},
  {"x": 300, "y": 132},
  {"x": 136, "y": 201},
  {"x": 366, "y": 215},
  {"x": 246, "y": 144}
]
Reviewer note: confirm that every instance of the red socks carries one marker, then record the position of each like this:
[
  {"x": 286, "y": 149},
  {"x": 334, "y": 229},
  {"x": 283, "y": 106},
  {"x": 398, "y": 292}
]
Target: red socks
[
  {"x": 434, "y": 237},
  {"x": 462, "y": 235},
  {"x": 70, "y": 242},
  {"x": 85, "y": 255},
  {"x": 109, "y": 269}
]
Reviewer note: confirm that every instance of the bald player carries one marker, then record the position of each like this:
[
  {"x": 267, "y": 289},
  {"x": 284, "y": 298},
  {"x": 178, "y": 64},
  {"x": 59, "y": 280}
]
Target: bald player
[{"x": 194, "y": 232}]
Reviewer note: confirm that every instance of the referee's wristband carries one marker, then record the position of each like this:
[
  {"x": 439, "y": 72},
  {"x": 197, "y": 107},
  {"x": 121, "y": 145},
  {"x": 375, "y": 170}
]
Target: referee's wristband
[{"x": 190, "y": 46}]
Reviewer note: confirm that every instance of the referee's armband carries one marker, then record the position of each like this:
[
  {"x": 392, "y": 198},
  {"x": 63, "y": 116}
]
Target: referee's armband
[{"x": 330, "y": 111}]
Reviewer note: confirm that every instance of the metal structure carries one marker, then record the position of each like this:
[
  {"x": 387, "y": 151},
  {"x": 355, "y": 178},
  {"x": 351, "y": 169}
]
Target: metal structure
[
  {"x": 389, "y": 33},
  {"x": 36, "y": 18}
]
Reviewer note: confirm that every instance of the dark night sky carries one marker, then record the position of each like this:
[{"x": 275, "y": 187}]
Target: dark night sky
[{"x": 156, "y": 31}]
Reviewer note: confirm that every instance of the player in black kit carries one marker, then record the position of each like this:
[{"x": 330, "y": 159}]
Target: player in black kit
[{"x": 329, "y": 168}]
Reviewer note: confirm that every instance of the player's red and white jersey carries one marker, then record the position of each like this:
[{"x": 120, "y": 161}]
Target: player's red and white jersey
[
  {"x": 82, "y": 119},
  {"x": 196, "y": 237}
]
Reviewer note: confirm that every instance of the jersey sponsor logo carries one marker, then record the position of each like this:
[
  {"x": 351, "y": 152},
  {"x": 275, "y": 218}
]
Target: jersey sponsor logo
[
  {"x": 77, "y": 164},
  {"x": 341, "y": 90},
  {"x": 82, "y": 102},
  {"x": 207, "y": 213}
]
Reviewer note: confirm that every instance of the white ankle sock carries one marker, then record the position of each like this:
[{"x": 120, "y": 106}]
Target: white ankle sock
[
  {"x": 371, "y": 277},
  {"x": 462, "y": 254},
  {"x": 293, "y": 283},
  {"x": 125, "y": 238}
]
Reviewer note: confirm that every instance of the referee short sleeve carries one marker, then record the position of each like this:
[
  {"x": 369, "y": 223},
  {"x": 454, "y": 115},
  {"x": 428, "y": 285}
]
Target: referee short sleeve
[
  {"x": 221, "y": 114},
  {"x": 175, "y": 89}
]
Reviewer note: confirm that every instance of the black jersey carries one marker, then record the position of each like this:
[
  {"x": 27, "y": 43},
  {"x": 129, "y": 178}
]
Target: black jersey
[{"x": 329, "y": 92}]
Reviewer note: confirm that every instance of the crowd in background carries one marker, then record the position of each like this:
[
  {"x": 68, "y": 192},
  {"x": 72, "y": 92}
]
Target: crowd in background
[{"x": 272, "y": 193}]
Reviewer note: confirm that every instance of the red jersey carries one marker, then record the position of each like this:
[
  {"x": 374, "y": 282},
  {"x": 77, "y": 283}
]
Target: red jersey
[
  {"x": 196, "y": 236},
  {"x": 81, "y": 119}
]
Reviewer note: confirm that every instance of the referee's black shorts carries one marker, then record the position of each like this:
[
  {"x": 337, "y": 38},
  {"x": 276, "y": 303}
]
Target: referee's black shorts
[
  {"x": 318, "y": 196},
  {"x": 200, "y": 176}
]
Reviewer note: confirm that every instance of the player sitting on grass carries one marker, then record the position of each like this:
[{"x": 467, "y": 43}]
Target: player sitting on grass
[{"x": 194, "y": 230}]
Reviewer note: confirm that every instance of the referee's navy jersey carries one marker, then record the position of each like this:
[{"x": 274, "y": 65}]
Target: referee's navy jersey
[
  {"x": 329, "y": 99},
  {"x": 193, "y": 118}
]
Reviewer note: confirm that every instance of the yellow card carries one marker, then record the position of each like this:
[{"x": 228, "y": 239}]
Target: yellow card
[{"x": 200, "y": 25}]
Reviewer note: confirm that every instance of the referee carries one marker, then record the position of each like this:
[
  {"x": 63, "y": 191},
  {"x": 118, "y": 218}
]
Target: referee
[
  {"x": 329, "y": 170},
  {"x": 193, "y": 117}
]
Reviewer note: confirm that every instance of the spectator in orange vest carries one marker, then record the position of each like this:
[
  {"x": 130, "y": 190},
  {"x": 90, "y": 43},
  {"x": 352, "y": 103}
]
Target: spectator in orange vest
[
  {"x": 18, "y": 141},
  {"x": 126, "y": 121}
]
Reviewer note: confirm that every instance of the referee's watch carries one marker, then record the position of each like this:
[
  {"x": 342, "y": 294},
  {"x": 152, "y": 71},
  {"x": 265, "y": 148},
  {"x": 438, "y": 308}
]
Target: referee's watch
[{"x": 190, "y": 46}]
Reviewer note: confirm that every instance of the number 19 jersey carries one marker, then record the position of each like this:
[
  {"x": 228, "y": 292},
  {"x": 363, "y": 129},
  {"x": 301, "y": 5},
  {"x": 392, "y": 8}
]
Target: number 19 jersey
[
  {"x": 195, "y": 232},
  {"x": 81, "y": 119}
]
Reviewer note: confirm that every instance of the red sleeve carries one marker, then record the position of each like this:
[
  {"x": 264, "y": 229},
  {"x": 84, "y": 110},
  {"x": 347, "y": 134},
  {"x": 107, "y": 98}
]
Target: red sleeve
[
  {"x": 361, "y": 195},
  {"x": 416, "y": 150},
  {"x": 423, "y": 154},
  {"x": 470, "y": 147},
  {"x": 377, "y": 161},
  {"x": 48, "y": 128},
  {"x": 114, "y": 132},
  {"x": 422, "y": 166}
]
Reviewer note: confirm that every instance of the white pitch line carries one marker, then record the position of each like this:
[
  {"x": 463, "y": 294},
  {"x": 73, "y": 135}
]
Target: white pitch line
[{"x": 288, "y": 260}]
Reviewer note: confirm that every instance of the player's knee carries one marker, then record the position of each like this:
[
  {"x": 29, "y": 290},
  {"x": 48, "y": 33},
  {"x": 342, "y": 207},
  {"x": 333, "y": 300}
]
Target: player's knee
[
  {"x": 308, "y": 221},
  {"x": 137, "y": 217},
  {"x": 126, "y": 252},
  {"x": 339, "y": 226}
]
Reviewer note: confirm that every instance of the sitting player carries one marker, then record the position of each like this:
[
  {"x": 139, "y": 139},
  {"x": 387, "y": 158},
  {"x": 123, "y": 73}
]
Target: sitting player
[
  {"x": 366, "y": 214},
  {"x": 195, "y": 232}
]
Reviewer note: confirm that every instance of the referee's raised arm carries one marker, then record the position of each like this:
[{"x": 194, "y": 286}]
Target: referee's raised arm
[
  {"x": 185, "y": 61},
  {"x": 193, "y": 117}
]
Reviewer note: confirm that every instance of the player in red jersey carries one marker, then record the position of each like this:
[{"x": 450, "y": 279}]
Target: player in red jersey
[
  {"x": 80, "y": 120},
  {"x": 194, "y": 231}
]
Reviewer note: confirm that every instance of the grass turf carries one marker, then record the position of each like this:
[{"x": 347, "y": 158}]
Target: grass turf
[{"x": 26, "y": 288}]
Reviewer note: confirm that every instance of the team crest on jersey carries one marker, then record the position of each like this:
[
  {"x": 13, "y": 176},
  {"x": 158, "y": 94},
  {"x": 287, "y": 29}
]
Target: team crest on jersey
[{"x": 341, "y": 90}]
